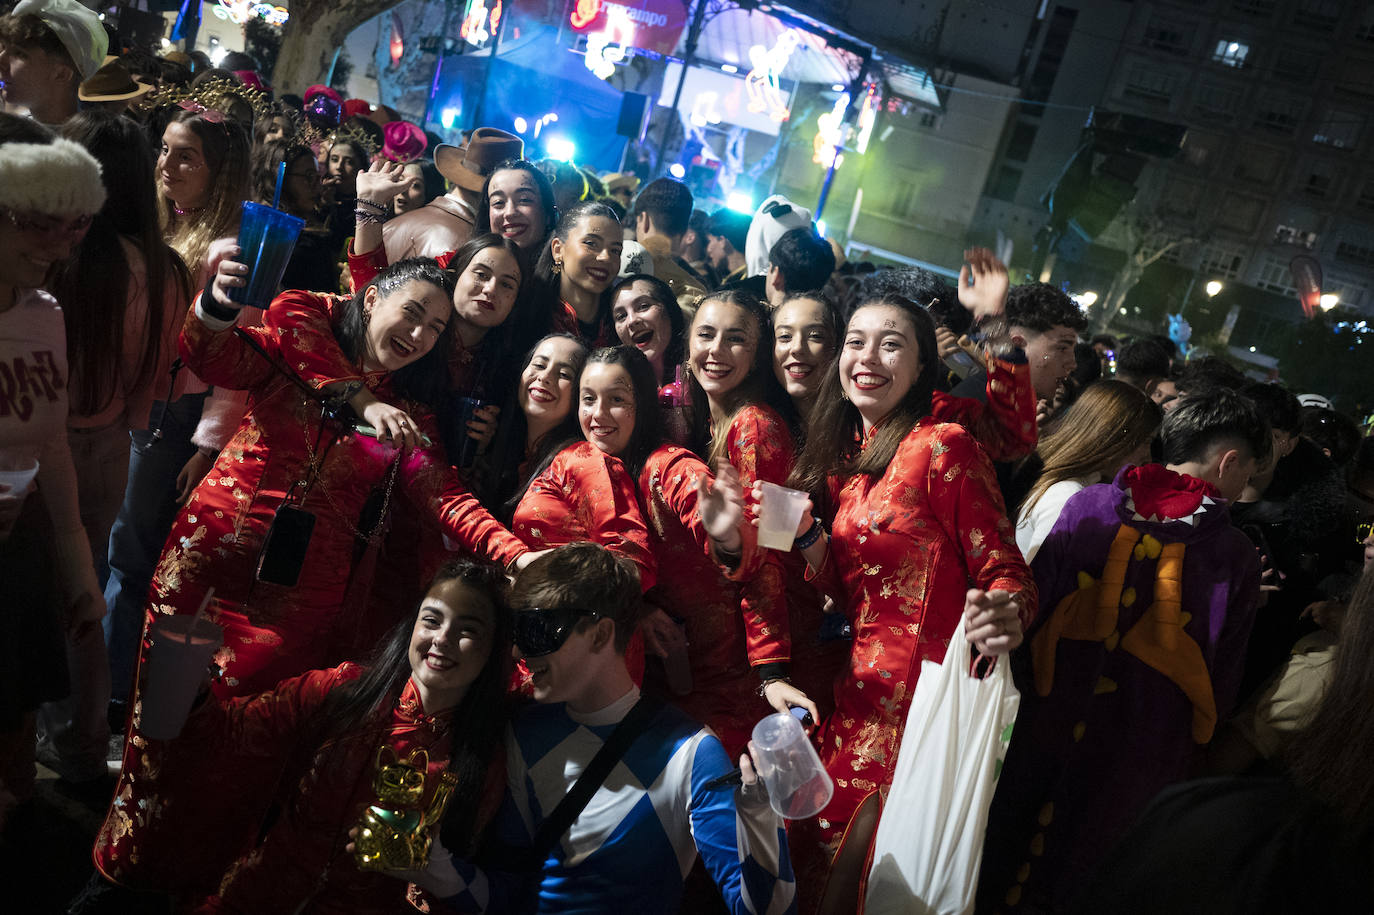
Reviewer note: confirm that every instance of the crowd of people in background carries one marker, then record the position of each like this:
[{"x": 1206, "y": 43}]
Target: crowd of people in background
[{"x": 473, "y": 499}]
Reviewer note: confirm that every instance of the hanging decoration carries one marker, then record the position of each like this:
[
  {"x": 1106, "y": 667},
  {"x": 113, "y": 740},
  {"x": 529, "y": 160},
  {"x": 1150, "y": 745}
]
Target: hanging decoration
[
  {"x": 396, "y": 47},
  {"x": 830, "y": 134},
  {"x": 764, "y": 82},
  {"x": 583, "y": 14},
  {"x": 1307, "y": 278}
]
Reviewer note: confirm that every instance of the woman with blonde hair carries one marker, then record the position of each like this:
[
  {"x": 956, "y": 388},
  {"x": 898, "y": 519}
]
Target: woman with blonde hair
[{"x": 1109, "y": 426}]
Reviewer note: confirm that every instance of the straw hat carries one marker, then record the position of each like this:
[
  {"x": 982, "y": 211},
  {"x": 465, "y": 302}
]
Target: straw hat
[
  {"x": 468, "y": 166},
  {"x": 618, "y": 181},
  {"x": 112, "y": 83}
]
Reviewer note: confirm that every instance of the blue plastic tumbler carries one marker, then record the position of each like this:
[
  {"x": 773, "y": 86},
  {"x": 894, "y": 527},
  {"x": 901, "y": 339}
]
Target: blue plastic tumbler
[{"x": 267, "y": 237}]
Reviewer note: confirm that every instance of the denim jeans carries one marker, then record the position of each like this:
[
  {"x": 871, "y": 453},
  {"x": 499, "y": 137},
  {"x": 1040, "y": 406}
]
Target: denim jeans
[{"x": 140, "y": 530}]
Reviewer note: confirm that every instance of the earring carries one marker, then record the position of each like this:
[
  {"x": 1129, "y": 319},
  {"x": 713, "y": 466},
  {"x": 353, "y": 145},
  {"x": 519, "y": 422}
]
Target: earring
[{"x": 557, "y": 267}]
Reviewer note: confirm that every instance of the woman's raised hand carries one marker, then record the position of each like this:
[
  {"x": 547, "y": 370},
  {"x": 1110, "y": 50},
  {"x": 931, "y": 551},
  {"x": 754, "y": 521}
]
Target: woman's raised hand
[
  {"x": 720, "y": 503},
  {"x": 987, "y": 296},
  {"x": 756, "y": 505},
  {"x": 381, "y": 182},
  {"x": 992, "y": 621},
  {"x": 229, "y": 273}
]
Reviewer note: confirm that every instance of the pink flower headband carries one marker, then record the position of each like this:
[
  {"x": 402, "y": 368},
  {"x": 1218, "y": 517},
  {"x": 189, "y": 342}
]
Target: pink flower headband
[{"x": 213, "y": 115}]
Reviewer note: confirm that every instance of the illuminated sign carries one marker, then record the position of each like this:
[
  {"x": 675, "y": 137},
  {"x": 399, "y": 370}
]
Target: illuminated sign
[
  {"x": 612, "y": 44},
  {"x": 239, "y": 11},
  {"x": 657, "y": 23},
  {"x": 476, "y": 28},
  {"x": 764, "y": 81}
]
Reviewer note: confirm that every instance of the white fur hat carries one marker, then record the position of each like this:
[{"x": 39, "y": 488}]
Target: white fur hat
[{"x": 59, "y": 178}]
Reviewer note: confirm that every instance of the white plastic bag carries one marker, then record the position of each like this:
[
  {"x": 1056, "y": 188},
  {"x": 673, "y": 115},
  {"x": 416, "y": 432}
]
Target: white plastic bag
[{"x": 930, "y": 836}]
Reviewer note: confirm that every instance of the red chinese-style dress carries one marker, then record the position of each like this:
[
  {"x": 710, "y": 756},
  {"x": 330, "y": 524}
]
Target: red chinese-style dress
[
  {"x": 586, "y": 496},
  {"x": 271, "y": 632},
  {"x": 903, "y": 551},
  {"x": 717, "y": 610},
  {"x": 1004, "y": 424},
  {"x": 302, "y": 858},
  {"x": 783, "y": 611}
]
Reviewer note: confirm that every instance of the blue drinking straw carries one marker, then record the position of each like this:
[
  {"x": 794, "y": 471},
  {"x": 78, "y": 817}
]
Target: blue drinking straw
[{"x": 281, "y": 176}]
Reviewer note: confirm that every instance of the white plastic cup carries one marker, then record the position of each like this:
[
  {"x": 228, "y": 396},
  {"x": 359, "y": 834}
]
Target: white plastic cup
[
  {"x": 779, "y": 514},
  {"x": 798, "y": 785},
  {"x": 177, "y": 667},
  {"x": 18, "y": 480}
]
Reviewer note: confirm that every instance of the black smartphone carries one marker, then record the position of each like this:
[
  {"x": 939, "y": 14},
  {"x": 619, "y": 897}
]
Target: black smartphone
[{"x": 283, "y": 550}]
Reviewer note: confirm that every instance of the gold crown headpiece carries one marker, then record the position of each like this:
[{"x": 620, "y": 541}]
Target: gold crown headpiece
[
  {"x": 213, "y": 98},
  {"x": 352, "y": 133}
]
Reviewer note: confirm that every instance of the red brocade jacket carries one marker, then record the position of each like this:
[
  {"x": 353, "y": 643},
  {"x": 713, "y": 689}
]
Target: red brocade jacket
[
  {"x": 301, "y": 858},
  {"x": 691, "y": 587},
  {"x": 271, "y": 632},
  {"x": 586, "y": 496},
  {"x": 904, "y": 549},
  {"x": 782, "y": 610},
  {"x": 1005, "y": 425},
  {"x": 274, "y": 632}
]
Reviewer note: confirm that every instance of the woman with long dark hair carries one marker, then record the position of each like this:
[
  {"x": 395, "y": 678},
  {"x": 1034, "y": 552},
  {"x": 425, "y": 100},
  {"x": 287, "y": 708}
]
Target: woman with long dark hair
[
  {"x": 737, "y": 419},
  {"x": 540, "y": 421},
  {"x": 916, "y": 516},
  {"x": 807, "y": 327},
  {"x": 647, "y": 316},
  {"x": 576, "y": 268},
  {"x": 517, "y": 203},
  {"x": 292, "y": 464},
  {"x": 124, "y": 293},
  {"x": 694, "y": 595},
  {"x": 428, "y": 705}
]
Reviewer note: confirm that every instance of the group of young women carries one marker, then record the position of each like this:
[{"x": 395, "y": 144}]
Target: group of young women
[{"x": 599, "y": 411}]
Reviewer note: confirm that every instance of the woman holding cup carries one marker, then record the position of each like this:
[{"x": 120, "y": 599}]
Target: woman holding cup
[
  {"x": 737, "y": 424},
  {"x": 250, "y": 531},
  {"x": 917, "y": 514},
  {"x": 619, "y": 413},
  {"x": 49, "y": 190}
]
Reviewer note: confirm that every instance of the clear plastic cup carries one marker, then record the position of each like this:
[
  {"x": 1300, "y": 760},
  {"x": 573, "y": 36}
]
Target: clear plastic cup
[
  {"x": 779, "y": 515},
  {"x": 18, "y": 479},
  {"x": 798, "y": 785},
  {"x": 178, "y": 660},
  {"x": 267, "y": 237}
]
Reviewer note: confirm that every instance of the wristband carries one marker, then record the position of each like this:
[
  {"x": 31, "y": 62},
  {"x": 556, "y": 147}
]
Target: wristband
[
  {"x": 366, "y": 216},
  {"x": 813, "y": 533},
  {"x": 362, "y": 201}
]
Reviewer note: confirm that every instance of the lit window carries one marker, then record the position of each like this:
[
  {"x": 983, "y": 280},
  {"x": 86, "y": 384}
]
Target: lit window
[{"x": 1231, "y": 53}]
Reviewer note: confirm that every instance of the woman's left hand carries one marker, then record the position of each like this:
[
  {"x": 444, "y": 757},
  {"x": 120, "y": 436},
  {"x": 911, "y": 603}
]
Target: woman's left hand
[
  {"x": 992, "y": 621},
  {"x": 782, "y": 696}
]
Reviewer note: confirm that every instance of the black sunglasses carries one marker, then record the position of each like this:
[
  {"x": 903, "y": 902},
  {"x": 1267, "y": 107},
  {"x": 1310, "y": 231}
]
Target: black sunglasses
[{"x": 539, "y": 631}]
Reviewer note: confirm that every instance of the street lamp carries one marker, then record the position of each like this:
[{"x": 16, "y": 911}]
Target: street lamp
[
  {"x": 1213, "y": 287},
  {"x": 1087, "y": 300},
  {"x": 1329, "y": 301}
]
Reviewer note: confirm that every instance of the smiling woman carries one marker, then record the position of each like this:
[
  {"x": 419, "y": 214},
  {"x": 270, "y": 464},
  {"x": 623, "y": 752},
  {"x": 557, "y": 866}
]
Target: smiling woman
[
  {"x": 292, "y": 460},
  {"x": 425, "y": 713}
]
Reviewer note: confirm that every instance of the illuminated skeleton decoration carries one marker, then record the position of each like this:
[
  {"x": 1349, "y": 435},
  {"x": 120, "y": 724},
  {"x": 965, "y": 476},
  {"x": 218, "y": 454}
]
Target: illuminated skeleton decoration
[{"x": 764, "y": 81}]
